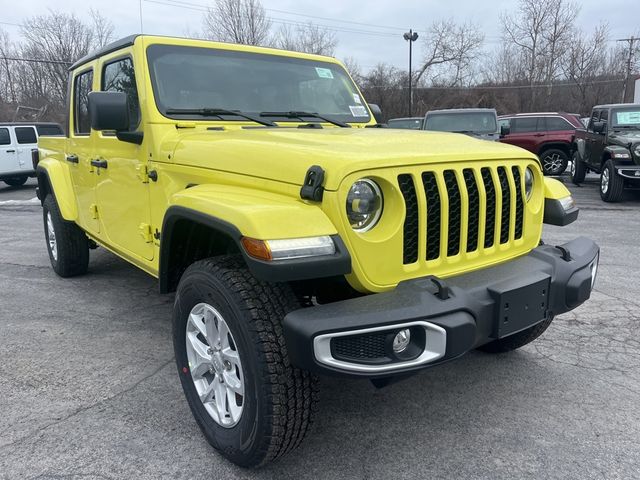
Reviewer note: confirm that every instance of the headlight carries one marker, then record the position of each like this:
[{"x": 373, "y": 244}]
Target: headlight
[
  {"x": 636, "y": 150},
  {"x": 364, "y": 205},
  {"x": 528, "y": 182}
]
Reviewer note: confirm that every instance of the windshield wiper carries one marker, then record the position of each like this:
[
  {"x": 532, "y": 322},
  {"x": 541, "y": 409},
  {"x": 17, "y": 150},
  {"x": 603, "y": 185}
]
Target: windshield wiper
[
  {"x": 302, "y": 115},
  {"x": 218, "y": 112}
]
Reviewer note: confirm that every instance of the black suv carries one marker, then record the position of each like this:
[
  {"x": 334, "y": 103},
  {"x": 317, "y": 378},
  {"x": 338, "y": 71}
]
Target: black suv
[{"x": 611, "y": 147}]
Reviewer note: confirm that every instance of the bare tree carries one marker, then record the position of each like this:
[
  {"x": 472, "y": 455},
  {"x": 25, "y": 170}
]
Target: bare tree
[
  {"x": 7, "y": 87},
  {"x": 353, "y": 67},
  {"x": 450, "y": 51},
  {"x": 102, "y": 28},
  {"x": 308, "y": 38},
  {"x": 237, "y": 21}
]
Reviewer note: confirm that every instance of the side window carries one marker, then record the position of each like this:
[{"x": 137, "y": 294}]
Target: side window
[
  {"x": 50, "y": 130},
  {"x": 524, "y": 124},
  {"x": 82, "y": 87},
  {"x": 505, "y": 122},
  {"x": 119, "y": 76},
  {"x": 604, "y": 115},
  {"x": 4, "y": 136},
  {"x": 594, "y": 118},
  {"x": 26, "y": 135},
  {"x": 556, "y": 124}
]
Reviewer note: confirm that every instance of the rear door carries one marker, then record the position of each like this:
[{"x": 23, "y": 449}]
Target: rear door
[
  {"x": 26, "y": 142},
  {"x": 79, "y": 149},
  {"x": 523, "y": 131},
  {"x": 8, "y": 153},
  {"x": 594, "y": 142}
]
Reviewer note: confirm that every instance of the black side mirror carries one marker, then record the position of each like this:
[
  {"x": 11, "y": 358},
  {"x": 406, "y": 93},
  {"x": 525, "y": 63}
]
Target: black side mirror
[
  {"x": 109, "y": 111},
  {"x": 505, "y": 130},
  {"x": 598, "y": 127},
  {"x": 377, "y": 113}
]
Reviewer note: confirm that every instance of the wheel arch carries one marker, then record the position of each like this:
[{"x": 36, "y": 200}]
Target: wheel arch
[
  {"x": 55, "y": 179},
  {"x": 566, "y": 147},
  {"x": 610, "y": 153}
]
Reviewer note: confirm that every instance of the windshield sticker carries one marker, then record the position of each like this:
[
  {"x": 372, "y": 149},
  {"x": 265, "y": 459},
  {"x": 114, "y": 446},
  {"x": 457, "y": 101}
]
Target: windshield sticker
[
  {"x": 358, "y": 111},
  {"x": 356, "y": 98},
  {"x": 628, "y": 118},
  {"x": 324, "y": 72}
]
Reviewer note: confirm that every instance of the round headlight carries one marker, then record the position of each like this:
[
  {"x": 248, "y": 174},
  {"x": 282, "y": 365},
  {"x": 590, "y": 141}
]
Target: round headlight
[
  {"x": 528, "y": 182},
  {"x": 364, "y": 205},
  {"x": 636, "y": 150}
]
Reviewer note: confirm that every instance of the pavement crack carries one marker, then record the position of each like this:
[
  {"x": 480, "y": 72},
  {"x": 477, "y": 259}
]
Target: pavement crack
[{"x": 81, "y": 410}]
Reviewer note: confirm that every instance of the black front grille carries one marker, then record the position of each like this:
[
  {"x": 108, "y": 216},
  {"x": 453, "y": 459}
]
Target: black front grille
[
  {"x": 480, "y": 189},
  {"x": 359, "y": 347},
  {"x": 410, "y": 228}
]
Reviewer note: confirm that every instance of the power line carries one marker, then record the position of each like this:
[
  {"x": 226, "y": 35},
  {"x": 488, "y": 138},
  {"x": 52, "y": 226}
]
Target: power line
[
  {"x": 497, "y": 87},
  {"x": 35, "y": 60}
]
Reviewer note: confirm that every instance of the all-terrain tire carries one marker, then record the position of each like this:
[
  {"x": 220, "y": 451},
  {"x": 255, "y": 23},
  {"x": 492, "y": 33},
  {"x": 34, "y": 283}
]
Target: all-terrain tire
[
  {"x": 279, "y": 400},
  {"x": 16, "y": 181},
  {"x": 612, "y": 189},
  {"x": 517, "y": 340},
  {"x": 69, "y": 251},
  {"x": 554, "y": 161},
  {"x": 578, "y": 169}
]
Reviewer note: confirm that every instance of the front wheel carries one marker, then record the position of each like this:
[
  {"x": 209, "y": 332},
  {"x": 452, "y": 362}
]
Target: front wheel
[
  {"x": 517, "y": 340},
  {"x": 249, "y": 401},
  {"x": 554, "y": 161},
  {"x": 611, "y": 184}
]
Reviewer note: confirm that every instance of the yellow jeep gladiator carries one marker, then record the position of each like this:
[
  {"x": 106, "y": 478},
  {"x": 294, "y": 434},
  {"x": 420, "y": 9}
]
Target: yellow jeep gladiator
[{"x": 300, "y": 236}]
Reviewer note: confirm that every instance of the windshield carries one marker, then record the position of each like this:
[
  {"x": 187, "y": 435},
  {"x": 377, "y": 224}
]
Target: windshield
[
  {"x": 472, "y": 122},
  {"x": 191, "y": 78},
  {"x": 626, "y": 117}
]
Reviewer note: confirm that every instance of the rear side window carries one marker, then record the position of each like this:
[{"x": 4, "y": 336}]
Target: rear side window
[
  {"x": 555, "y": 124},
  {"x": 524, "y": 125},
  {"x": 50, "y": 130},
  {"x": 119, "y": 76},
  {"x": 604, "y": 116},
  {"x": 26, "y": 135},
  {"x": 82, "y": 87},
  {"x": 4, "y": 136}
]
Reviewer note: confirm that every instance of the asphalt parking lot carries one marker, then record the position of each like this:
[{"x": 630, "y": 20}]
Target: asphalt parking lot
[{"x": 88, "y": 386}]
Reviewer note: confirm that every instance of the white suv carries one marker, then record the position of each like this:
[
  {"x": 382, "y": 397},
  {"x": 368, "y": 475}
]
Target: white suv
[{"x": 17, "y": 141}]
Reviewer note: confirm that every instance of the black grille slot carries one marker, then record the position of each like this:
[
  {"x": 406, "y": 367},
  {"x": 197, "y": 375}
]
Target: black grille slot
[
  {"x": 519, "y": 202},
  {"x": 433, "y": 214},
  {"x": 474, "y": 209},
  {"x": 410, "y": 230},
  {"x": 359, "y": 347},
  {"x": 455, "y": 212},
  {"x": 490, "y": 225},
  {"x": 506, "y": 205}
]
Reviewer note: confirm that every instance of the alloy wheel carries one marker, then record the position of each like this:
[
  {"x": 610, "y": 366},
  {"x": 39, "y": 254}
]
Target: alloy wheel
[
  {"x": 604, "y": 181},
  {"x": 51, "y": 237}
]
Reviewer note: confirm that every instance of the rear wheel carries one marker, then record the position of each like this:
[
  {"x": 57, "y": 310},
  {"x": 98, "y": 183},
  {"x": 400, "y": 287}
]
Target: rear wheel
[
  {"x": 67, "y": 244},
  {"x": 249, "y": 401},
  {"x": 611, "y": 184},
  {"x": 517, "y": 340},
  {"x": 554, "y": 161},
  {"x": 578, "y": 169},
  {"x": 16, "y": 181}
]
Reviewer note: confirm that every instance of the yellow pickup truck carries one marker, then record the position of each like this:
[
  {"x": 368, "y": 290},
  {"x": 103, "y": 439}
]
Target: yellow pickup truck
[{"x": 299, "y": 235}]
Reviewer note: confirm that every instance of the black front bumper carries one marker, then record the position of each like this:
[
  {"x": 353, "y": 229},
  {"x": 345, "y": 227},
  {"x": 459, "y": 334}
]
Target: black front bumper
[{"x": 457, "y": 315}]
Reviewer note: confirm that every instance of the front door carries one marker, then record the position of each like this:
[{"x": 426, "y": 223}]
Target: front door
[
  {"x": 78, "y": 154},
  {"x": 122, "y": 188}
]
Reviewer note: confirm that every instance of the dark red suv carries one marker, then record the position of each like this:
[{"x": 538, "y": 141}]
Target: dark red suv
[{"x": 550, "y": 135}]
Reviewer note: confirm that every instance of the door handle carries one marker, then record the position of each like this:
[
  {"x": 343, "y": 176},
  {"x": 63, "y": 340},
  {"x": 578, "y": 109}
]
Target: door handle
[
  {"x": 99, "y": 163},
  {"x": 11, "y": 151},
  {"x": 72, "y": 158}
]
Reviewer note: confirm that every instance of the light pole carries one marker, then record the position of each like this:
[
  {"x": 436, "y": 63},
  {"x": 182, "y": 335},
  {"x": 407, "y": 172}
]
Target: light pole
[{"x": 411, "y": 37}]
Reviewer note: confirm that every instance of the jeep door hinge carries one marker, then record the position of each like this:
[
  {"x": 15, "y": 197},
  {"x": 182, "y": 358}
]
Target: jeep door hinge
[
  {"x": 146, "y": 232},
  {"x": 93, "y": 210}
]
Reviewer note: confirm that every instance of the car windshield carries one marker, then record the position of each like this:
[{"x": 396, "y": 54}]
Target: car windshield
[
  {"x": 626, "y": 117},
  {"x": 465, "y": 122},
  {"x": 406, "y": 123},
  {"x": 205, "y": 79}
]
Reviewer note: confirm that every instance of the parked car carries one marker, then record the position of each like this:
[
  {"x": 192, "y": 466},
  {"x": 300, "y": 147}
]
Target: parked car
[
  {"x": 409, "y": 123},
  {"x": 549, "y": 135},
  {"x": 17, "y": 142},
  {"x": 610, "y": 146},
  {"x": 298, "y": 242}
]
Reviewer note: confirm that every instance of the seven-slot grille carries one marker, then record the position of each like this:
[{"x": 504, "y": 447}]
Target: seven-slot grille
[{"x": 457, "y": 202}]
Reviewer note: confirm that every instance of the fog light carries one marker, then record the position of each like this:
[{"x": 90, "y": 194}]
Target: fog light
[{"x": 401, "y": 340}]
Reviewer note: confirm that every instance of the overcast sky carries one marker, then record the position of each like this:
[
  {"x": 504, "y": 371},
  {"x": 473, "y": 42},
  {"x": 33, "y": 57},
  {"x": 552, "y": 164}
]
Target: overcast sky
[{"x": 380, "y": 40}]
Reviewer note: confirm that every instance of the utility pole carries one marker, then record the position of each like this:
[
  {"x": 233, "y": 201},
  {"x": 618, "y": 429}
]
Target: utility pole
[
  {"x": 627, "y": 78},
  {"x": 411, "y": 37}
]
